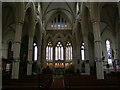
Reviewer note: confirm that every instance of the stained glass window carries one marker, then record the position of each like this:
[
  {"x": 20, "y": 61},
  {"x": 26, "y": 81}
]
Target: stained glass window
[
  {"x": 109, "y": 55},
  {"x": 82, "y": 52},
  {"x": 35, "y": 52},
  {"x": 68, "y": 51},
  {"x": 49, "y": 51},
  {"x": 59, "y": 51},
  {"x": 59, "y": 23}
]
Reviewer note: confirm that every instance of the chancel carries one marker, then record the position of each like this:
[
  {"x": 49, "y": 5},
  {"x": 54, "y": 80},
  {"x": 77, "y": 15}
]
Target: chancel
[{"x": 63, "y": 45}]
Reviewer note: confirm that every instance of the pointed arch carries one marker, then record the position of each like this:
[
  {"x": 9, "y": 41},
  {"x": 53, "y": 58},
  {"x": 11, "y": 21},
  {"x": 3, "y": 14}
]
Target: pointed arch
[
  {"x": 30, "y": 12},
  {"x": 69, "y": 37},
  {"x": 62, "y": 24},
  {"x": 59, "y": 35},
  {"x": 59, "y": 51},
  {"x": 38, "y": 33},
  {"x": 49, "y": 36},
  {"x": 49, "y": 51}
]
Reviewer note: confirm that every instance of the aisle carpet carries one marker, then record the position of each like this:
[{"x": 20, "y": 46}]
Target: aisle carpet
[{"x": 58, "y": 83}]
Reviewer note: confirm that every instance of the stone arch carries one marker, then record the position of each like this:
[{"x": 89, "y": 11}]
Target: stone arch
[
  {"x": 48, "y": 38},
  {"x": 30, "y": 11},
  {"x": 109, "y": 15},
  {"x": 10, "y": 40},
  {"x": 61, "y": 13},
  {"x": 55, "y": 15},
  {"x": 8, "y": 17},
  {"x": 30, "y": 5},
  {"x": 69, "y": 37},
  {"x": 110, "y": 18},
  {"x": 85, "y": 18},
  {"x": 38, "y": 34},
  {"x": 28, "y": 29},
  {"x": 78, "y": 35},
  {"x": 10, "y": 49},
  {"x": 59, "y": 40},
  {"x": 59, "y": 35},
  {"x": 9, "y": 52},
  {"x": 108, "y": 35}
]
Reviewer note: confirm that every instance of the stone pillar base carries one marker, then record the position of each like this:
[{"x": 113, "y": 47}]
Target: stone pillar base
[
  {"x": 87, "y": 67},
  {"x": 29, "y": 68},
  {"x": 99, "y": 70},
  {"x": 15, "y": 70}
]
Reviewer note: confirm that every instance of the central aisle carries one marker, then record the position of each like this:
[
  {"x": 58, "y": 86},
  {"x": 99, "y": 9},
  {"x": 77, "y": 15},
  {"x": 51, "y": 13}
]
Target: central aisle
[{"x": 58, "y": 82}]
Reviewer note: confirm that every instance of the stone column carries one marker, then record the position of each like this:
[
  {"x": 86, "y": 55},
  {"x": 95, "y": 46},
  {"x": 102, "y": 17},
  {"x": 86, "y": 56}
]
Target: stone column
[
  {"x": 17, "y": 40},
  {"x": 4, "y": 49},
  {"x": 1, "y": 45},
  {"x": 78, "y": 58},
  {"x": 75, "y": 57},
  {"x": 39, "y": 56},
  {"x": 119, "y": 9},
  {"x": 64, "y": 51},
  {"x": 95, "y": 19},
  {"x": 84, "y": 26},
  {"x": 118, "y": 51},
  {"x": 43, "y": 55},
  {"x": 86, "y": 50},
  {"x": 80, "y": 62},
  {"x": 16, "y": 49},
  {"x": 118, "y": 38},
  {"x": 54, "y": 56},
  {"x": 39, "y": 53},
  {"x": 30, "y": 54},
  {"x": 98, "y": 50}
]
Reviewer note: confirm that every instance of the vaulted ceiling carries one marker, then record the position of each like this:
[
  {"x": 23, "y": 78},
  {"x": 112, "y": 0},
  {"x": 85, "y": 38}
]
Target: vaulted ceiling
[{"x": 50, "y": 8}]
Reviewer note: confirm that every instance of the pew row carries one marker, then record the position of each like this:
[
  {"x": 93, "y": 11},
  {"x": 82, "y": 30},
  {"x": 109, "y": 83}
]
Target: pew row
[
  {"x": 28, "y": 82},
  {"x": 90, "y": 82}
]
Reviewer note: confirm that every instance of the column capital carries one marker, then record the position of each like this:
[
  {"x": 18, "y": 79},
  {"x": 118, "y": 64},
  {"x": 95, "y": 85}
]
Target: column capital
[
  {"x": 98, "y": 59},
  {"x": 29, "y": 62},
  {"x": 87, "y": 61},
  {"x": 19, "y": 22},
  {"x": 39, "y": 45},
  {"x": 85, "y": 35},
  {"x": 16, "y": 60},
  {"x": 30, "y": 49},
  {"x": 38, "y": 62},
  {"x": 31, "y": 37},
  {"x": 17, "y": 42},
  {"x": 97, "y": 41},
  {"x": 95, "y": 21},
  {"x": 80, "y": 20}
]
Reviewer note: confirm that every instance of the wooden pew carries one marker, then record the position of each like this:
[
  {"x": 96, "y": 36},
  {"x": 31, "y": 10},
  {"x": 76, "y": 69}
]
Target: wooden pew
[
  {"x": 28, "y": 82},
  {"x": 90, "y": 82}
]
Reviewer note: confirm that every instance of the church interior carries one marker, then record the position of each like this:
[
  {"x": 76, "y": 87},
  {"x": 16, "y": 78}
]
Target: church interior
[{"x": 66, "y": 45}]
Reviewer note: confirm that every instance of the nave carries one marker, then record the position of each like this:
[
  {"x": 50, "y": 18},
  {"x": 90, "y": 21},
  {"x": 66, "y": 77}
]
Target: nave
[
  {"x": 66, "y": 81},
  {"x": 47, "y": 45}
]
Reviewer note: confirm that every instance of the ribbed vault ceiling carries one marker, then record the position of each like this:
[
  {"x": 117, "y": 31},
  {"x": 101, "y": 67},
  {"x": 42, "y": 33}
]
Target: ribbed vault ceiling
[{"x": 49, "y": 8}]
